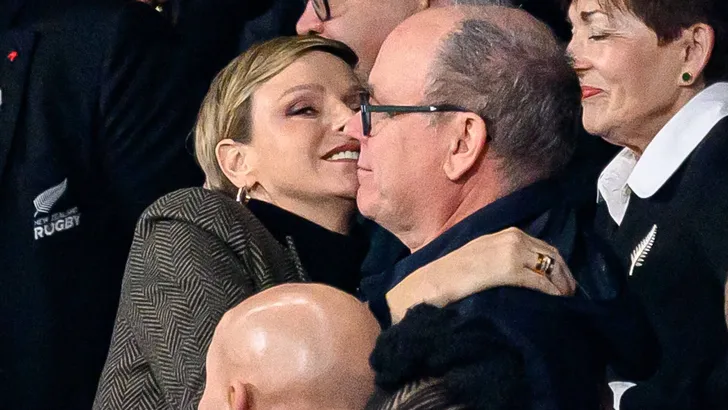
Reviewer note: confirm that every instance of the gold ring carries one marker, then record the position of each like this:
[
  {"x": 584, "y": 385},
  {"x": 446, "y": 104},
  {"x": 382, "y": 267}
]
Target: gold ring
[{"x": 544, "y": 265}]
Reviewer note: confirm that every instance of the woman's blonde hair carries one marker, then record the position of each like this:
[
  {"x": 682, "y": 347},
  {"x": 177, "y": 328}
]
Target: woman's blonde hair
[{"x": 226, "y": 109}]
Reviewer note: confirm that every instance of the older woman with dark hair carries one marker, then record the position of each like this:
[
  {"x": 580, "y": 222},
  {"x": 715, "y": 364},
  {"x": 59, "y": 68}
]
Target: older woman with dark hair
[{"x": 653, "y": 81}]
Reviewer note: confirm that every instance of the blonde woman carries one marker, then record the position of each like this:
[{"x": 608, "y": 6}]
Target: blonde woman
[
  {"x": 277, "y": 206},
  {"x": 268, "y": 133}
]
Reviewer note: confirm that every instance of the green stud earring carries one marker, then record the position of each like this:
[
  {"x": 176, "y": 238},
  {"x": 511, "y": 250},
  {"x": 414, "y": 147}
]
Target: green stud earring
[{"x": 686, "y": 77}]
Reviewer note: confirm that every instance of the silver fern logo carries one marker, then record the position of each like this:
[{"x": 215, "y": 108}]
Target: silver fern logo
[
  {"x": 643, "y": 249},
  {"x": 45, "y": 201},
  {"x": 50, "y": 224}
]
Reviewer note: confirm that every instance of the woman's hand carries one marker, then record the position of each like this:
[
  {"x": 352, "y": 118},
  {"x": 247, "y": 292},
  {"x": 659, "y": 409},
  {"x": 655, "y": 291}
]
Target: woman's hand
[{"x": 506, "y": 258}]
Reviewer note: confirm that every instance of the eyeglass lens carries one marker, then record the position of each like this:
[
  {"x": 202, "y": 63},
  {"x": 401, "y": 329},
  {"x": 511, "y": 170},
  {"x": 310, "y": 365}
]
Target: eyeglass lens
[{"x": 321, "y": 7}]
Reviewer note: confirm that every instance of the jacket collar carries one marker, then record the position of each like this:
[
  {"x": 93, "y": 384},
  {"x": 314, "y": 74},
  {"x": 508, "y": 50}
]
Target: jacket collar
[{"x": 665, "y": 154}]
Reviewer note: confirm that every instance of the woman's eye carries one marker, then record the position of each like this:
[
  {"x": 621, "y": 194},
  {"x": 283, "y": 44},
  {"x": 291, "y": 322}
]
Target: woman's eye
[
  {"x": 303, "y": 110},
  {"x": 598, "y": 36}
]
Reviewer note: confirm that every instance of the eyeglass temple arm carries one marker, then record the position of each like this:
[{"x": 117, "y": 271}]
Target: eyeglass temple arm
[{"x": 400, "y": 108}]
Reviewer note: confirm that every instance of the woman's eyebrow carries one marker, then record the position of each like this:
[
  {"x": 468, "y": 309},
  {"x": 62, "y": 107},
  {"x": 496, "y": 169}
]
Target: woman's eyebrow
[
  {"x": 309, "y": 86},
  {"x": 588, "y": 16}
]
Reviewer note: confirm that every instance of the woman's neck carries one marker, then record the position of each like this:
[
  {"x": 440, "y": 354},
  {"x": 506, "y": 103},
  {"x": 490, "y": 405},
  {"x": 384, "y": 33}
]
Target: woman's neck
[
  {"x": 642, "y": 135},
  {"x": 334, "y": 214}
]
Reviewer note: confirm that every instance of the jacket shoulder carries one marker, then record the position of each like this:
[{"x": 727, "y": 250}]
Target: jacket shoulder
[
  {"x": 712, "y": 151},
  {"x": 227, "y": 221},
  {"x": 210, "y": 211}
]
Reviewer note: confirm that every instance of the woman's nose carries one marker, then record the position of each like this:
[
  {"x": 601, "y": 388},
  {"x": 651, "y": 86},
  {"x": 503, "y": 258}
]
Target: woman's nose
[
  {"x": 578, "y": 62},
  {"x": 353, "y": 127}
]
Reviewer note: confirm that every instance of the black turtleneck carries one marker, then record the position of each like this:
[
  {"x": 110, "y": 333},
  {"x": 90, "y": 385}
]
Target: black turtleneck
[{"x": 328, "y": 257}]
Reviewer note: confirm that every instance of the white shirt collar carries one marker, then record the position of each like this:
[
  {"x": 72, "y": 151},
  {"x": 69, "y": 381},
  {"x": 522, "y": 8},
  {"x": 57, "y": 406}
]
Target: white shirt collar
[
  {"x": 612, "y": 184},
  {"x": 664, "y": 155}
]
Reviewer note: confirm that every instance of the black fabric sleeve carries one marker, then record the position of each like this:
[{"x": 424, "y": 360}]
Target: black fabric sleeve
[{"x": 144, "y": 117}]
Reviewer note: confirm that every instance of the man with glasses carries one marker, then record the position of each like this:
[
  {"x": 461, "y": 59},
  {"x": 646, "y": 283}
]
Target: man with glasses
[
  {"x": 460, "y": 136},
  {"x": 364, "y": 24}
]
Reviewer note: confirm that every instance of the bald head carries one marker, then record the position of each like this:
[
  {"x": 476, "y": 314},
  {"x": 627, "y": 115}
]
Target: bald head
[{"x": 296, "y": 347}]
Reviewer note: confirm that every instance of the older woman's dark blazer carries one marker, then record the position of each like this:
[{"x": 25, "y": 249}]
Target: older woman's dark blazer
[{"x": 195, "y": 255}]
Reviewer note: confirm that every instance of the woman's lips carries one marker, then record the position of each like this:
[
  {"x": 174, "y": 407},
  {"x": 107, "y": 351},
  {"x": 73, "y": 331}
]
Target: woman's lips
[{"x": 588, "y": 92}]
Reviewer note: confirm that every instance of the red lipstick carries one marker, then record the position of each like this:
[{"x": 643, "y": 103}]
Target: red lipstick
[{"x": 588, "y": 92}]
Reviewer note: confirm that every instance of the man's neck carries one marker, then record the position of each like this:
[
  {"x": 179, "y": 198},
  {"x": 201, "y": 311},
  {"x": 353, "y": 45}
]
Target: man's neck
[{"x": 449, "y": 213}]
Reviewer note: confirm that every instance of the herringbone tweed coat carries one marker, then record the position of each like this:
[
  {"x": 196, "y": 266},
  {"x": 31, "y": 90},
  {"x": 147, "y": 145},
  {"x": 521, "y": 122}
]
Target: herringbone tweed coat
[{"x": 195, "y": 255}]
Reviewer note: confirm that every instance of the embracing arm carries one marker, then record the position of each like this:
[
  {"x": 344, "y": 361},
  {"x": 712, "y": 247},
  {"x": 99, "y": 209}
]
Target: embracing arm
[{"x": 505, "y": 258}]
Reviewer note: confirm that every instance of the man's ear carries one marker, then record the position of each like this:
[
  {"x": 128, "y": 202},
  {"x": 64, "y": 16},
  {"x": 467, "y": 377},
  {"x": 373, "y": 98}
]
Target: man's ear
[
  {"x": 466, "y": 147},
  {"x": 239, "y": 397},
  {"x": 236, "y": 161},
  {"x": 699, "y": 41}
]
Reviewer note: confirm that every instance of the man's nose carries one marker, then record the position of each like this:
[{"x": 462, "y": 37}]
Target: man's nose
[
  {"x": 309, "y": 23},
  {"x": 353, "y": 127}
]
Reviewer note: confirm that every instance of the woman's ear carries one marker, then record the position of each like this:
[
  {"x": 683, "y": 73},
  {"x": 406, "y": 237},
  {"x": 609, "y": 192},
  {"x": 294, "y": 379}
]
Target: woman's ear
[
  {"x": 237, "y": 162},
  {"x": 699, "y": 40}
]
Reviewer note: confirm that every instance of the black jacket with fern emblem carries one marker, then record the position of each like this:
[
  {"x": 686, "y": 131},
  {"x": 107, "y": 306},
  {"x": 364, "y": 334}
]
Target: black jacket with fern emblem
[{"x": 674, "y": 250}]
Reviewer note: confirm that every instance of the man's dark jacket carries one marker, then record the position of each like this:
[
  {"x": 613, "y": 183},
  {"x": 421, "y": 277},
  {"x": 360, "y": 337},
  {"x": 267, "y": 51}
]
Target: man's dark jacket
[
  {"x": 91, "y": 133},
  {"x": 566, "y": 343}
]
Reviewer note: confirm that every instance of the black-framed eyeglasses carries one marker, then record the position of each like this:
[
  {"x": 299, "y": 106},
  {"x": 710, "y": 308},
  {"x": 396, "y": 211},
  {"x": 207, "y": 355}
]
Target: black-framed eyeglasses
[
  {"x": 367, "y": 110},
  {"x": 322, "y": 9}
]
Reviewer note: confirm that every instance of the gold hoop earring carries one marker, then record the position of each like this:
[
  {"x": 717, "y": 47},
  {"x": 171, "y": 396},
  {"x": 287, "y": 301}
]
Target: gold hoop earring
[{"x": 243, "y": 196}]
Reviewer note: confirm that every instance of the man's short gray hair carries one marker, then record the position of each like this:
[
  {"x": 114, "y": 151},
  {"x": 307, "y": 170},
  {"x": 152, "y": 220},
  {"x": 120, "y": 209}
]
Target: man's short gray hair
[{"x": 517, "y": 77}]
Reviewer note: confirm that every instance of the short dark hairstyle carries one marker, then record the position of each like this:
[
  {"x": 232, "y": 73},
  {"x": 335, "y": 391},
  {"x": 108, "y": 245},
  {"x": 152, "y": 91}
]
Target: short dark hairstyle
[
  {"x": 517, "y": 77},
  {"x": 668, "y": 17},
  {"x": 436, "y": 360}
]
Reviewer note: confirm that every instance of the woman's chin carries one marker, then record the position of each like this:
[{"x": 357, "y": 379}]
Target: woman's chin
[{"x": 594, "y": 126}]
